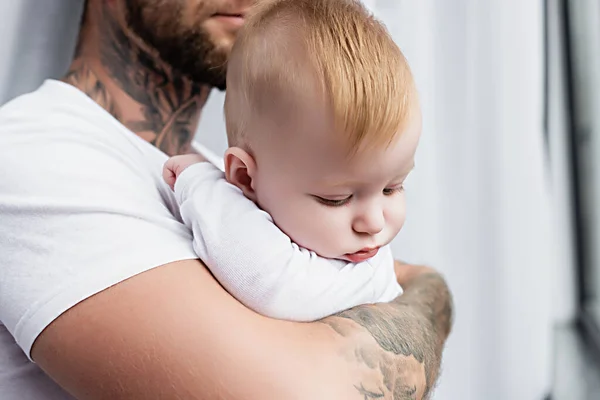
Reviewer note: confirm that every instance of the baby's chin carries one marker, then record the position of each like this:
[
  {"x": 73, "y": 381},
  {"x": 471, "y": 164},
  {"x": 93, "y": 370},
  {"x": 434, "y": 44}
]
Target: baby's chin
[{"x": 323, "y": 253}]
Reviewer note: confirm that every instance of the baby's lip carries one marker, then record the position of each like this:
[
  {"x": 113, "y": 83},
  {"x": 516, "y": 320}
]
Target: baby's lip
[{"x": 362, "y": 255}]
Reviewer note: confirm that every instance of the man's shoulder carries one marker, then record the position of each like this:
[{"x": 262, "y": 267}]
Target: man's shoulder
[
  {"x": 54, "y": 106},
  {"x": 51, "y": 95},
  {"x": 55, "y": 124},
  {"x": 70, "y": 152},
  {"x": 83, "y": 207}
]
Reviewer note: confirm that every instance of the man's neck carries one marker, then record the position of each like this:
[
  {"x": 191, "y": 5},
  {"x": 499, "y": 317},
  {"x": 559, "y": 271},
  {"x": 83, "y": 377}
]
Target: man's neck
[{"x": 115, "y": 69}]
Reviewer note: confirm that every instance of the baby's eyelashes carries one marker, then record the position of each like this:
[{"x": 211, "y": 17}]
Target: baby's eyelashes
[
  {"x": 333, "y": 202},
  {"x": 338, "y": 201},
  {"x": 393, "y": 190}
]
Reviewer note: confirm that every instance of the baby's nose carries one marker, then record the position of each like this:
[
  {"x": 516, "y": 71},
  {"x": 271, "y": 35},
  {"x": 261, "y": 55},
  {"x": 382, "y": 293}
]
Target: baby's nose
[{"x": 369, "y": 222}]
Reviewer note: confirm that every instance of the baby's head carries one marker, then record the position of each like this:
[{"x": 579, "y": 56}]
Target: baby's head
[{"x": 323, "y": 123}]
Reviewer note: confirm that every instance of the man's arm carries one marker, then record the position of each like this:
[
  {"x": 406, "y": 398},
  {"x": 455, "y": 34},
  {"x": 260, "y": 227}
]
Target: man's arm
[
  {"x": 409, "y": 332},
  {"x": 173, "y": 332}
]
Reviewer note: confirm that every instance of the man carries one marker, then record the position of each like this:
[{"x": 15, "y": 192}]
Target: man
[{"x": 100, "y": 285}]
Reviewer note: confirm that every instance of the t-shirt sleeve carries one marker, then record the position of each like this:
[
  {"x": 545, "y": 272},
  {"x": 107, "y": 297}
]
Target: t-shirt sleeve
[
  {"x": 261, "y": 266},
  {"x": 78, "y": 215}
]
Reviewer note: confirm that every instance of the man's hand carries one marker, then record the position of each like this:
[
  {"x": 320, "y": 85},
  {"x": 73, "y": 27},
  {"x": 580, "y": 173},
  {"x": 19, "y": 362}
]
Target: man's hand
[
  {"x": 177, "y": 164},
  {"x": 405, "y": 273}
]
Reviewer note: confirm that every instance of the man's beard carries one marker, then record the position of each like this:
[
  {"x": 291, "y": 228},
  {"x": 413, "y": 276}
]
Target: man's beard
[{"x": 188, "y": 50}]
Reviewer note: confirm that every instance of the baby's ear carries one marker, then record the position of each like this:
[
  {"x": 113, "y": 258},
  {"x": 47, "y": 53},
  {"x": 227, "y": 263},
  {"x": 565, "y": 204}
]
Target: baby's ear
[{"x": 240, "y": 169}]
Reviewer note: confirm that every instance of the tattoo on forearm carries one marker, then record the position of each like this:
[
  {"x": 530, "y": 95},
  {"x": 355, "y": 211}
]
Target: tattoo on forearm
[
  {"x": 410, "y": 331},
  {"x": 369, "y": 394}
]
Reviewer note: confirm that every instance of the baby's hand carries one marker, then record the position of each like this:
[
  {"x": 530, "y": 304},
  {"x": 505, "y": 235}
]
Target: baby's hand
[{"x": 177, "y": 164}]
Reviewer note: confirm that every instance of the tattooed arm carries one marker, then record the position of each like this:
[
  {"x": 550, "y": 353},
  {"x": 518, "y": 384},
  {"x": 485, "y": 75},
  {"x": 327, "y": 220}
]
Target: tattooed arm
[
  {"x": 181, "y": 335},
  {"x": 400, "y": 344}
]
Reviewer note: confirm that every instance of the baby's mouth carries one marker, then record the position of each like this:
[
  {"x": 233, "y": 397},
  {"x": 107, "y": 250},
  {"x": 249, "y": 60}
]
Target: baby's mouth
[{"x": 362, "y": 255}]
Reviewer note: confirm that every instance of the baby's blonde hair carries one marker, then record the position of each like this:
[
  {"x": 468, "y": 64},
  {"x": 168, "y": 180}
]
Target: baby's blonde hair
[{"x": 289, "y": 46}]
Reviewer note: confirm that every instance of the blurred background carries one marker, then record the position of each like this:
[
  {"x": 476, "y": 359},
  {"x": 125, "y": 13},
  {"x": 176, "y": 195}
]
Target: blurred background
[{"x": 503, "y": 197}]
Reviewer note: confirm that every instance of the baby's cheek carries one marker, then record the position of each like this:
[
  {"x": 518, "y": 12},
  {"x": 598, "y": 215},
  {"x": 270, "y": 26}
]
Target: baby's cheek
[
  {"x": 329, "y": 232},
  {"x": 310, "y": 228},
  {"x": 294, "y": 219},
  {"x": 308, "y": 223},
  {"x": 396, "y": 214}
]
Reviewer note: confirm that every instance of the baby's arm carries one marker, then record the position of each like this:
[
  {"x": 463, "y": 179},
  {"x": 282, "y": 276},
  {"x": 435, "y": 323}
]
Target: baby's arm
[{"x": 278, "y": 279}]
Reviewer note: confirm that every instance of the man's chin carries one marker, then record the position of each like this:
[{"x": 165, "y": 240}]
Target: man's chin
[
  {"x": 212, "y": 70},
  {"x": 207, "y": 75}
]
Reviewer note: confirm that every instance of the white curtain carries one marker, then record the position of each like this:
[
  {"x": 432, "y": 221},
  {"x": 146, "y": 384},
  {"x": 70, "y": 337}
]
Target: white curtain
[
  {"x": 480, "y": 206},
  {"x": 479, "y": 201}
]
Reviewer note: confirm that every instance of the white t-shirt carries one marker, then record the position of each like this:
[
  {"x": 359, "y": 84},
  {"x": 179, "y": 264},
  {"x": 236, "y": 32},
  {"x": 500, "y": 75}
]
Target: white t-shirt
[
  {"x": 82, "y": 207},
  {"x": 278, "y": 279}
]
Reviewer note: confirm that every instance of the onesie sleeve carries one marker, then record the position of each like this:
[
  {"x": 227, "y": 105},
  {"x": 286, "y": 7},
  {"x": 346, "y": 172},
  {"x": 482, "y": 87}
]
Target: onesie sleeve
[{"x": 261, "y": 266}]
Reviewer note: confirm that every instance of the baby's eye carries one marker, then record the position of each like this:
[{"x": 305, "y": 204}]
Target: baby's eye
[
  {"x": 392, "y": 190},
  {"x": 332, "y": 202}
]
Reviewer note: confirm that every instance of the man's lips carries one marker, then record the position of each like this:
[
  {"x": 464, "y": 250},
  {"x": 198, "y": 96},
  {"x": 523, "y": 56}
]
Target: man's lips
[
  {"x": 362, "y": 255},
  {"x": 234, "y": 19}
]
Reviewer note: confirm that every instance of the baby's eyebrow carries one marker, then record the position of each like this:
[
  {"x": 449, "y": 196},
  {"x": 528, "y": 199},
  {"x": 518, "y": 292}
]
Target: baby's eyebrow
[
  {"x": 337, "y": 184},
  {"x": 350, "y": 183}
]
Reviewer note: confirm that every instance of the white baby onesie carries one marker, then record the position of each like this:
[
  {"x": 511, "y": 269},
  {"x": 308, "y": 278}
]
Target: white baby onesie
[{"x": 261, "y": 266}]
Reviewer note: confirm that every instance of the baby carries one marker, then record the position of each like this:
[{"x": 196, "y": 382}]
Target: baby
[{"x": 323, "y": 123}]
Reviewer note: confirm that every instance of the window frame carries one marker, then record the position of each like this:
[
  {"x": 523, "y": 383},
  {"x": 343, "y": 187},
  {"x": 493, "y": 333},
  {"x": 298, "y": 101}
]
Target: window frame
[{"x": 587, "y": 323}]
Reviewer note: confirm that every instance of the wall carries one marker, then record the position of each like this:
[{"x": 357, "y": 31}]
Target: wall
[{"x": 38, "y": 38}]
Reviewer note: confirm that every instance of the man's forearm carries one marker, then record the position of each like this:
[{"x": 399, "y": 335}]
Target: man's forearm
[
  {"x": 408, "y": 338},
  {"x": 167, "y": 343}
]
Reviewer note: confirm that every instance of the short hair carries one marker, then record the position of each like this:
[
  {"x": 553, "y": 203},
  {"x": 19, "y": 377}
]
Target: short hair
[{"x": 346, "y": 52}]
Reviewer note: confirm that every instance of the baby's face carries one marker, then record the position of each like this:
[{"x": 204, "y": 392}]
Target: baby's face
[{"x": 339, "y": 207}]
